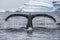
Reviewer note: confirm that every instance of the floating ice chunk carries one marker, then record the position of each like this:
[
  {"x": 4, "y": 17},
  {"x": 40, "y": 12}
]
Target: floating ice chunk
[
  {"x": 30, "y": 28},
  {"x": 2, "y": 10},
  {"x": 13, "y": 10}
]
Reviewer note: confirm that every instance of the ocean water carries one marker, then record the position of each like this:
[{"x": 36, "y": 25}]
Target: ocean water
[
  {"x": 42, "y": 34},
  {"x": 14, "y": 28}
]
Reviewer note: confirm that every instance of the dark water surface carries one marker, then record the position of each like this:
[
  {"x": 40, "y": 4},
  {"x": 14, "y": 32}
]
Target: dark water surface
[{"x": 38, "y": 34}]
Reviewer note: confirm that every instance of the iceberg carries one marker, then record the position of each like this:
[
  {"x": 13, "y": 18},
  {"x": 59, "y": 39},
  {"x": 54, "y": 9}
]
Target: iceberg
[
  {"x": 38, "y": 6},
  {"x": 57, "y": 5}
]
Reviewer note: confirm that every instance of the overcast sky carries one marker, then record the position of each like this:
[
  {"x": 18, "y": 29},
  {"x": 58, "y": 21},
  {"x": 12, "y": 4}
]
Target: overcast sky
[{"x": 7, "y": 4}]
